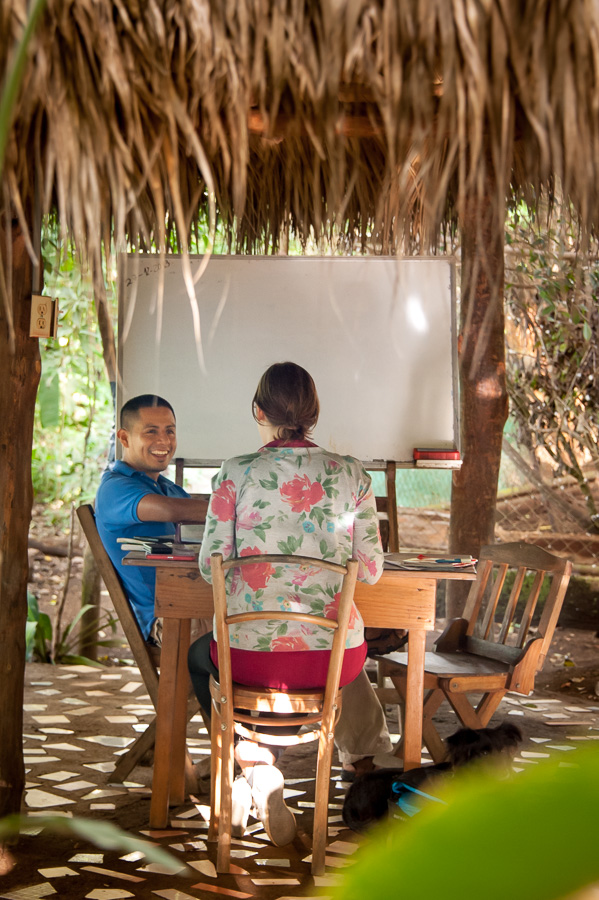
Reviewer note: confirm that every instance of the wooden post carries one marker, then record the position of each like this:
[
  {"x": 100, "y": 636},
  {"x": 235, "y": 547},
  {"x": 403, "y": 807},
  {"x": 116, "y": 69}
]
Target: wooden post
[
  {"x": 483, "y": 400},
  {"x": 19, "y": 378},
  {"x": 392, "y": 507}
]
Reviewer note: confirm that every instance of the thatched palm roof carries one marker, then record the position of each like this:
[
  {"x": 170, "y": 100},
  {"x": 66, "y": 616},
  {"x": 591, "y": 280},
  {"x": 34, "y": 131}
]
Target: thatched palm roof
[{"x": 309, "y": 114}]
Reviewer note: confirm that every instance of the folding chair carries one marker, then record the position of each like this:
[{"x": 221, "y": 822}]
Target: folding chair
[
  {"x": 139, "y": 649},
  {"x": 492, "y": 649},
  {"x": 233, "y": 704}
]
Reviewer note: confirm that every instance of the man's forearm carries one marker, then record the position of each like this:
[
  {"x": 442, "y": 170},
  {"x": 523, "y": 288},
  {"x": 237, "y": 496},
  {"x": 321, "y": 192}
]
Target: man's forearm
[{"x": 155, "y": 508}]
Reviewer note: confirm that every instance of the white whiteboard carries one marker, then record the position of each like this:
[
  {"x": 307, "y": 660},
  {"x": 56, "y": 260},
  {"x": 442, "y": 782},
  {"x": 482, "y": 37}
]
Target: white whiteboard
[{"x": 378, "y": 335}]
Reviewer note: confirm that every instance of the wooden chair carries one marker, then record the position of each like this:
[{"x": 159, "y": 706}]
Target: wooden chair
[
  {"x": 488, "y": 651},
  {"x": 141, "y": 654},
  {"x": 232, "y": 704}
]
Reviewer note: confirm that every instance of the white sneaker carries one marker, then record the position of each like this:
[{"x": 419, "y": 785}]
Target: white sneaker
[
  {"x": 267, "y": 784},
  {"x": 241, "y": 796}
]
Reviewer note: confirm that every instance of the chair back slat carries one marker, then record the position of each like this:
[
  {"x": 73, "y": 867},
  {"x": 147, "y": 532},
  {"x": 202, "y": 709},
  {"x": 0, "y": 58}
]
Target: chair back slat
[
  {"x": 283, "y": 559},
  {"x": 510, "y": 609},
  {"x": 476, "y": 594},
  {"x": 529, "y": 609},
  {"x": 489, "y": 617},
  {"x": 552, "y": 607},
  {"x": 281, "y": 615}
]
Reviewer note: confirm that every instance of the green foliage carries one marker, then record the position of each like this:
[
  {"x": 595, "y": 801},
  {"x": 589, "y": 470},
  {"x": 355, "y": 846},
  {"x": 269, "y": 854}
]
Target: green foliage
[
  {"x": 551, "y": 292},
  {"x": 100, "y": 834},
  {"x": 38, "y": 631},
  {"x": 39, "y": 634},
  {"x": 531, "y": 838},
  {"x": 74, "y": 412}
]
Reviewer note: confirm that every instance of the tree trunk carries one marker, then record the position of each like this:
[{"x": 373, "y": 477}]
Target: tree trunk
[
  {"x": 483, "y": 400},
  {"x": 19, "y": 378}
]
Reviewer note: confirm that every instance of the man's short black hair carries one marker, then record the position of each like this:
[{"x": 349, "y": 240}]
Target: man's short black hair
[{"x": 145, "y": 401}]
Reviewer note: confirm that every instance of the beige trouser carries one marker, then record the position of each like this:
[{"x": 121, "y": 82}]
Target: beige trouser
[{"x": 362, "y": 728}]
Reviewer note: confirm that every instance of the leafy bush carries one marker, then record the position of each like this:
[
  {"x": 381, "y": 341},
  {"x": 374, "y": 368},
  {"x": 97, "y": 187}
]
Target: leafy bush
[
  {"x": 552, "y": 329},
  {"x": 39, "y": 636},
  {"x": 74, "y": 410}
]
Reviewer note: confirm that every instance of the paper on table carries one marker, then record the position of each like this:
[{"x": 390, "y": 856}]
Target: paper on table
[{"x": 423, "y": 562}]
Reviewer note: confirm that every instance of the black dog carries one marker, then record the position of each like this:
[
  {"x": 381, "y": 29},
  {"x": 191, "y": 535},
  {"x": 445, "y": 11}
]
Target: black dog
[{"x": 369, "y": 797}]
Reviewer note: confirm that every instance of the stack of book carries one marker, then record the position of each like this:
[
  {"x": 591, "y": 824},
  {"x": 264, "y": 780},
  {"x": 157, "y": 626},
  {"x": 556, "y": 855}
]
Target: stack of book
[{"x": 156, "y": 547}]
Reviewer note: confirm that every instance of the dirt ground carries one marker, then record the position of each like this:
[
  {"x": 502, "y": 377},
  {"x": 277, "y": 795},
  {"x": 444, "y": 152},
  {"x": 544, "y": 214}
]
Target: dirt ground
[{"x": 77, "y": 719}]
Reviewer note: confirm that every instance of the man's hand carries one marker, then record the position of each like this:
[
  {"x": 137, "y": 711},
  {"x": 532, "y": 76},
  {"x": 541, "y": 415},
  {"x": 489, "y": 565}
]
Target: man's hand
[{"x": 156, "y": 508}]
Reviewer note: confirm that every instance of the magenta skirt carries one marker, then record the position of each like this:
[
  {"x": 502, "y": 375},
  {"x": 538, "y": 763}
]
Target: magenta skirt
[{"x": 290, "y": 670}]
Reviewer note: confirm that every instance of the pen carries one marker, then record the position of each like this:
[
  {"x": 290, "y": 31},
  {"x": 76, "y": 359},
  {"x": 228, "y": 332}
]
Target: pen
[{"x": 455, "y": 559}]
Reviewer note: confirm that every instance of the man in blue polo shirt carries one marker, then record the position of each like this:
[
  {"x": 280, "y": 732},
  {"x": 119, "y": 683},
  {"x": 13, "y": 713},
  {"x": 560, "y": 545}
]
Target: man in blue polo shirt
[{"x": 135, "y": 499}]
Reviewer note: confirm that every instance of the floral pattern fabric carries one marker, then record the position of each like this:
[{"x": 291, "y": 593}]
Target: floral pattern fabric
[{"x": 299, "y": 500}]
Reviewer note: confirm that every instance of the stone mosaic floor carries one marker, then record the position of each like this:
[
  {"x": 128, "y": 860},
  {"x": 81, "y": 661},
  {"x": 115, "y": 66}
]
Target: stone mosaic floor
[{"x": 79, "y": 719}]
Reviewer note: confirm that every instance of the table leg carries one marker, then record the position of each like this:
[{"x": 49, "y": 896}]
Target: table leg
[
  {"x": 165, "y": 721},
  {"x": 180, "y": 699},
  {"x": 412, "y": 744}
]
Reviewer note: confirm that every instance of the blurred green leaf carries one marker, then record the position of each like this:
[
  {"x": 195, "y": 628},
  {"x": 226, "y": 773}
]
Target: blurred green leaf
[
  {"x": 100, "y": 833},
  {"x": 48, "y": 396},
  {"x": 531, "y": 838}
]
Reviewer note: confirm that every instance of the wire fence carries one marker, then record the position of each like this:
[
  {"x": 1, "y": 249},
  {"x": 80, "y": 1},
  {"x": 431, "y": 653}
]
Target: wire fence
[{"x": 548, "y": 511}]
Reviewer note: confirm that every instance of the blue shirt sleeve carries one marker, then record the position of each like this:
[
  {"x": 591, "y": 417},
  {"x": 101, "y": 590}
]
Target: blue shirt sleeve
[{"x": 117, "y": 500}]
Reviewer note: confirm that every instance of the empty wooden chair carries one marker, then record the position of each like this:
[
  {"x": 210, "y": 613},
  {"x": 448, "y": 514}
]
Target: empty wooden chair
[
  {"x": 141, "y": 653},
  {"x": 493, "y": 648},
  {"x": 233, "y": 704}
]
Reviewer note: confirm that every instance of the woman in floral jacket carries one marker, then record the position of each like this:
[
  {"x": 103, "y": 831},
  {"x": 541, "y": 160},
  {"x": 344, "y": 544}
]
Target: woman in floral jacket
[{"x": 290, "y": 497}]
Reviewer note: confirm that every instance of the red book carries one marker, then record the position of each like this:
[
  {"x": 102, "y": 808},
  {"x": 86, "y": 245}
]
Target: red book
[
  {"x": 435, "y": 453},
  {"x": 167, "y": 556}
]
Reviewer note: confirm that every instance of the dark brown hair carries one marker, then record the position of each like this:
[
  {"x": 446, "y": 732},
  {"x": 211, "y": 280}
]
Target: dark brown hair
[{"x": 287, "y": 396}]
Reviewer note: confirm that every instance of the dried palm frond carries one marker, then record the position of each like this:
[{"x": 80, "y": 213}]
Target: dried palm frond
[{"x": 369, "y": 119}]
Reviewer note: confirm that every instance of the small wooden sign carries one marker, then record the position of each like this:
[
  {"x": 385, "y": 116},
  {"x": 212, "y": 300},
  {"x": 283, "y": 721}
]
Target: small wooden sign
[{"x": 44, "y": 316}]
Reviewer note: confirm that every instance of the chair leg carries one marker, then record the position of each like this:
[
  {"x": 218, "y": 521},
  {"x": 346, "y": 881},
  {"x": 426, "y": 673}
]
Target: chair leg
[
  {"x": 479, "y": 717},
  {"x": 430, "y": 736},
  {"x": 223, "y": 855},
  {"x": 141, "y": 745},
  {"x": 216, "y": 750},
  {"x": 191, "y": 782},
  {"x": 488, "y": 705},
  {"x": 321, "y": 800},
  {"x": 467, "y": 715}
]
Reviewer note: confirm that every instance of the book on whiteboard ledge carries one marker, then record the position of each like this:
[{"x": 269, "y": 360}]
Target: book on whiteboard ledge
[{"x": 436, "y": 458}]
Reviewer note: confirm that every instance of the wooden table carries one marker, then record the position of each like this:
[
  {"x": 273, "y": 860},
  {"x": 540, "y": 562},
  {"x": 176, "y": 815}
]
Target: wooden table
[{"x": 400, "y": 599}]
